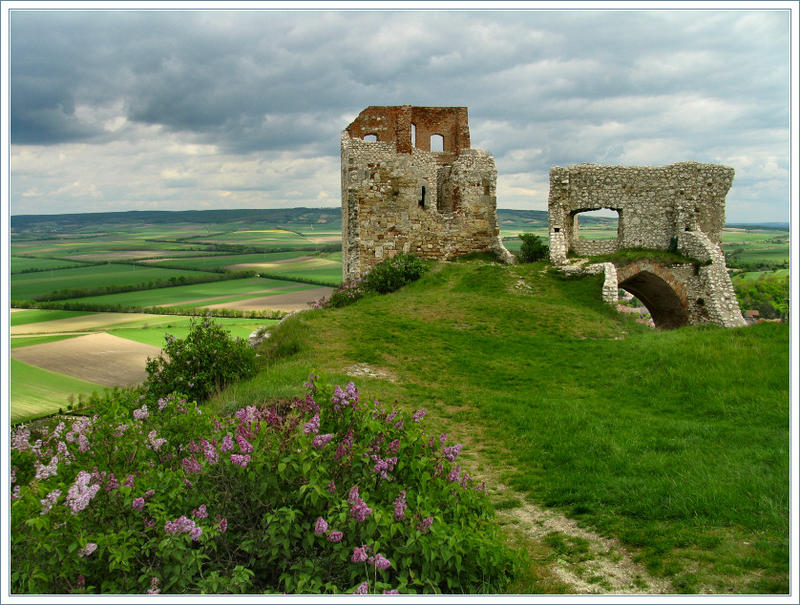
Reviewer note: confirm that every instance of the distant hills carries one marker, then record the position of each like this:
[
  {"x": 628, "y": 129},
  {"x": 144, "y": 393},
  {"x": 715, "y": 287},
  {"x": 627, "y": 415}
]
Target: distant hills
[{"x": 327, "y": 218}]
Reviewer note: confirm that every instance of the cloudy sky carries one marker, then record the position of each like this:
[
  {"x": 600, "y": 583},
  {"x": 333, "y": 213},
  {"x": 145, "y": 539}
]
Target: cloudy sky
[{"x": 187, "y": 109}]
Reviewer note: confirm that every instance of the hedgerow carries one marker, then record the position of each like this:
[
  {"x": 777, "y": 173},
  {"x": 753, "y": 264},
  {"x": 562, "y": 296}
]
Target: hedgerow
[{"x": 327, "y": 494}]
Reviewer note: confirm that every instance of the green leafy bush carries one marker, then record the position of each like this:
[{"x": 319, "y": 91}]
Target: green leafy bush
[
  {"x": 387, "y": 276},
  {"x": 201, "y": 364},
  {"x": 533, "y": 248},
  {"x": 327, "y": 494},
  {"x": 394, "y": 273}
]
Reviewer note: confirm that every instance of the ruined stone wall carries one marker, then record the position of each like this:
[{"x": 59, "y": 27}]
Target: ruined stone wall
[
  {"x": 682, "y": 203},
  {"x": 654, "y": 203},
  {"x": 401, "y": 198}
]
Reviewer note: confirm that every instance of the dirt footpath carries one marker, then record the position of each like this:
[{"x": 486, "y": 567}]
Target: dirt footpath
[{"x": 101, "y": 358}]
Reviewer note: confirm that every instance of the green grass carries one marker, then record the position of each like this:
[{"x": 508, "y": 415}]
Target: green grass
[
  {"x": 179, "y": 328},
  {"x": 21, "y": 318},
  {"x": 755, "y": 275},
  {"x": 675, "y": 442},
  {"x": 36, "y": 392},
  {"x": 20, "y": 264},
  {"x": 228, "y": 291},
  {"x": 26, "y": 286}
]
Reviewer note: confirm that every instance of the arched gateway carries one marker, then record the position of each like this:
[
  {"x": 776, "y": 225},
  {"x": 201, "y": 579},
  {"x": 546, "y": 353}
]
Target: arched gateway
[{"x": 680, "y": 207}]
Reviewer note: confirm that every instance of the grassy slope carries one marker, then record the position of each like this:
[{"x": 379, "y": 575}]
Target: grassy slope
[{"x": 675, "y": 442}]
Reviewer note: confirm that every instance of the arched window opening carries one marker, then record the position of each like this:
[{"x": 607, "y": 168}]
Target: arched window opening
[
  {"x": 371, "y": 138},
  {"x": 437, "y": 142},
  {"x": 413, "y": 135}
]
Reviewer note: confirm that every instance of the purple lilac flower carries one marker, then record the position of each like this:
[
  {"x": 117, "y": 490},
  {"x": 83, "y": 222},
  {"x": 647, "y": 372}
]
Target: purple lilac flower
[
  {"x": 49, "y": 501},
  {"x": 227, "y": 443},
  {"x": 360, "y": 511},
  {"x": 482, "y": 488},
  {"x": 465, "y": 480},
  {"x": 338, "y": 397},
  {"x": 395, "y": 591},
  {"x": 195, "y": 533},
  {"x": 44, "y": 472},
  {"x": 149, "y": 493},
  {"x": 181, "y": 525},
  {"x": 141, "y": 413},
  {"x": 88, "y": 549},
  {"x": 321, "y": 526},
  {"x": 400, "y": 506},
  {"x": 200, "y": 512},
  {"x": 321, "y": 441},
  {"x": 454, "y": 473},
  {"x": 452, "y": 452},
  {"x": 399, "y": 425},
  {"x": 352, "y": 496},
  {"x": 128, "y": 481},
  {"x": 149, "y": 522},
  {"x": 381, "y": 562},
  {"x": 247, "y": 415},
  {"x": 443, "y": 438},
  {"x": 222, "y": 525},
  {"x": 138, "y": 504},
  {"x": 83, "y": 443},
  {"x": 312, "y": 426},
  {"x": 335, "y": 536},
  {"x": 332, "y": 487},
  {"x": 154, "y": 583},
  {"x": 383, "y": 466},
  {"x": 57, "y": 431},
  {"x": 210, "y": 452},
  {"x": 240, "y": 460},
  {"x": 111, "y": 482},
  {"x": 19, "y": 439},
  {"x": 81, "y": 493},
  {"x": 244, "y": 445},
  {"x": 419, "y": 415},
  {"x": 390, "y": 418},
  {"x": 393, "y": 446},
  {"x": 162, "y": 403},
  {"x": 190, "y": 465},
  {"x": 425, "y": 524},
  {"x": 360, "y": 554},
  {"x": 363, "y": 588},
  {"x": 155, "y": 443},
  {"x": 15, "y": 493}
]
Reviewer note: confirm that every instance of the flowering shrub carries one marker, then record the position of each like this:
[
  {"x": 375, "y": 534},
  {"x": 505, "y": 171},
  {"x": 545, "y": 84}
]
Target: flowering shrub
[
  {"x": 200, "y": 364},
  {"x": 328, "y": 494}
]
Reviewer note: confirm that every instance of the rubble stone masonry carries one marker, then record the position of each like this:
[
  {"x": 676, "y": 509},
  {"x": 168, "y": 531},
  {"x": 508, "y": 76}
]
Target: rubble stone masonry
[{"x": 398, "y": 196}]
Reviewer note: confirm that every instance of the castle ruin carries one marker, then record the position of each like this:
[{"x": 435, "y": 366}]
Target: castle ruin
[
  {"x": 401, "y": 196},
  {"x": 680, "y": 207}
]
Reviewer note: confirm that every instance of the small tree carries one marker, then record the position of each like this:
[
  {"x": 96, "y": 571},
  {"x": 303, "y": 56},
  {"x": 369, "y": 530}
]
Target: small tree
[
  {"x": 201, "y": 364},
  {"x": 532, "y": 249}
]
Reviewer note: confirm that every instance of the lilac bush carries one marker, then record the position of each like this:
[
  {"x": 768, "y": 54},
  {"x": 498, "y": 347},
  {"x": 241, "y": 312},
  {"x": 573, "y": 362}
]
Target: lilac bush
[{"x": 330, "y": 493}]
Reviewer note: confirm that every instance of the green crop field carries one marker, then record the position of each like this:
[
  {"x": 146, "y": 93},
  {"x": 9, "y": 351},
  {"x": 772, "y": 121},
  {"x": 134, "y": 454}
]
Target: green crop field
[
  {"x": 21, "y": 318},
  {"x": 27, "y": 341},
  {"x": 198, "y": 294},
  {"x": 155, "y": 335},
  {"x": 37, "y": 392},
  {"x": 227, "y": 260},
  {"x": 29, "y": 285},
  {"x": 20, "y": 264}
]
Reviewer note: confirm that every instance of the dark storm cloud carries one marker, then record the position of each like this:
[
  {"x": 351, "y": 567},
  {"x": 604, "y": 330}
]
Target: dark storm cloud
[{"x": 543, "y": 88}]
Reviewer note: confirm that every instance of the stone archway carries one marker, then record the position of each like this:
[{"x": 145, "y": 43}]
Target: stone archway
[{"x": 662, "y": 294}]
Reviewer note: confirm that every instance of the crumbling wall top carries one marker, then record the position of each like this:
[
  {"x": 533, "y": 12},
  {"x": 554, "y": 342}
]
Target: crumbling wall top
[{"x": 409, "y": 127}]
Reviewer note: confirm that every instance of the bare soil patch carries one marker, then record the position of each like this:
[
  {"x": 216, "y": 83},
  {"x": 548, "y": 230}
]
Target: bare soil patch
[
  {"x": 101, "y": 358},
  {"x": 83, "y": 323},
  {"x": 291, "y": 301}
]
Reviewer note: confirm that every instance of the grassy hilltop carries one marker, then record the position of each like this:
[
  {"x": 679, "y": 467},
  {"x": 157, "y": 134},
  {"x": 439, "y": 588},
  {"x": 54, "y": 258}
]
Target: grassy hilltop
[{"x": 674, "y": 442}]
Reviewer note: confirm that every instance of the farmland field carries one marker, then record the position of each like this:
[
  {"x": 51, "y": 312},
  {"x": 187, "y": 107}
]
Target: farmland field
[
  {"x": 20, "y": 264},
  {"x": 28, "y": 286},
  {"x": 198, "y": 295}
]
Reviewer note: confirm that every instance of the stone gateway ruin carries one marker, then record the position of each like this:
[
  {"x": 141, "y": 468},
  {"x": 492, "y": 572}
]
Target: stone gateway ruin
[
  {"x": 411, "y": 184},
  {"x": 680, "y": 207}
]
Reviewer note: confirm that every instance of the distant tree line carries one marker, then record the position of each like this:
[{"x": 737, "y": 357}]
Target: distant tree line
[{"x": 769, "y": 294}]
